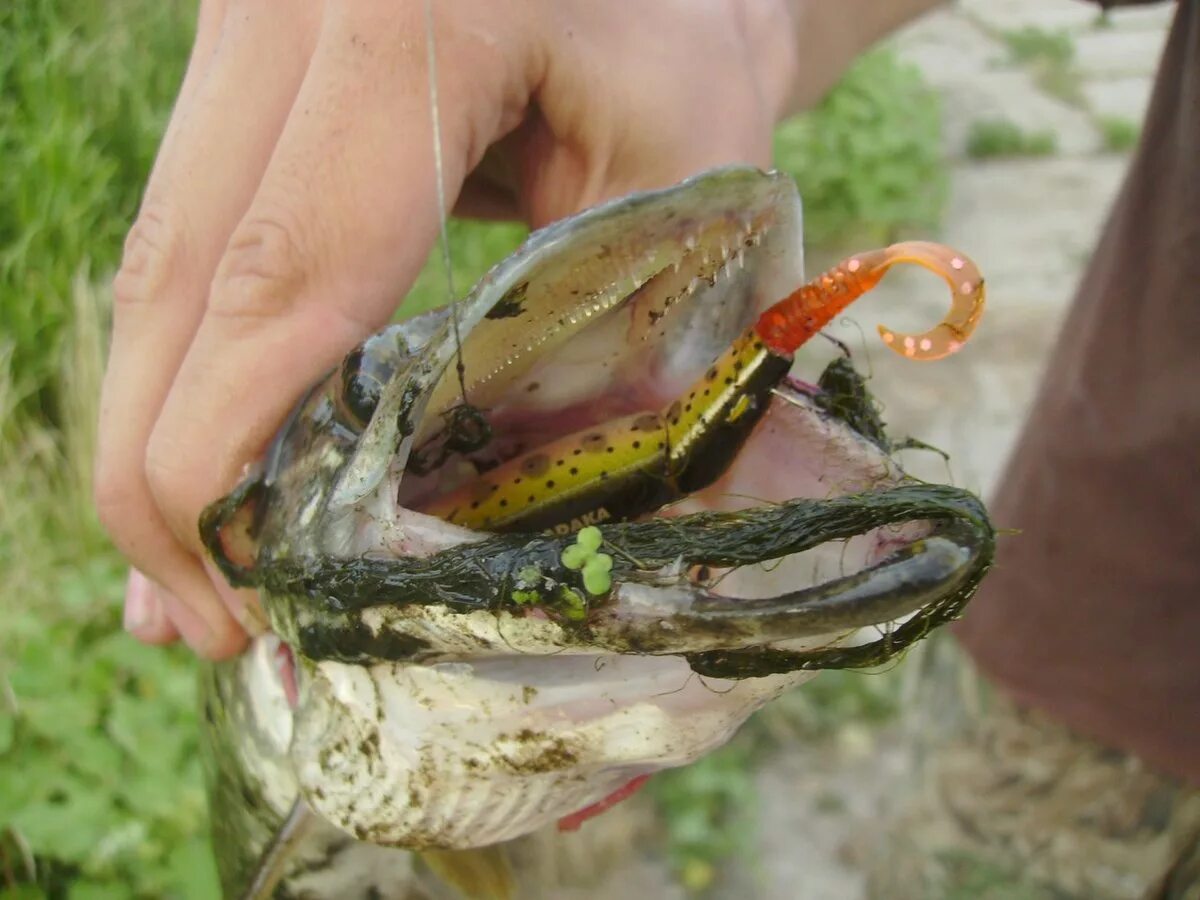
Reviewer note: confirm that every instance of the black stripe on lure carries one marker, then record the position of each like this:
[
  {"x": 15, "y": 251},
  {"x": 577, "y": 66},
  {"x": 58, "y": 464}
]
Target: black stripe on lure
[{"x": 631, "y": 466}]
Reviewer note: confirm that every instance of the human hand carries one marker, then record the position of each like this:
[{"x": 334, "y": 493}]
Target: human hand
[{"x": 294, "y": 201}]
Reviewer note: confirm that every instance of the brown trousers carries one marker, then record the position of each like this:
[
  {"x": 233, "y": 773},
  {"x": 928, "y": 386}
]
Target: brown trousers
[{"x": 1093, "y": 610}]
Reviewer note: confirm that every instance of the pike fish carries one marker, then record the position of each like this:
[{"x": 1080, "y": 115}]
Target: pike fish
[{"x": 520, "y": 553}]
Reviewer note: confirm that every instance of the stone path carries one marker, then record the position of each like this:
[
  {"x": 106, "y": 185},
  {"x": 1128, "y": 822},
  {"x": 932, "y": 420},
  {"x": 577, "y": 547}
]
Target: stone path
[{"x": 1030, "y": 223}]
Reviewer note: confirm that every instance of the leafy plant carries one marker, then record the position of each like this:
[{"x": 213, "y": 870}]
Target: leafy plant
[
  {"x": 999, "y": 137},
  {"x": 1050, "y": 57},
  {"x": 99, "y": 771},
  {"x": 1036, "y": 45},
  {"x": 708, "y": 808},
  {"x": 868, "y": 160},
  {"x": 1120, "y": 135},
  {"x": 99, "y": 781}
]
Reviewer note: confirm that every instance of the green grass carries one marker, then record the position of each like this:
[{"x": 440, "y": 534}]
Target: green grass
[
  {"x": 99, "y": 785},
  {"x": 709, "y": 811},
  {"x": 475, "y": 247},
  {"x": 85, "y": 90},
  {"x": 1050, "y": 58},
  {"x": 1120, "y": 135},
  {"x": 966, "y": 877},
  {"x": 99, "y": 771},
  {"x": 994, "y": 138},
  {"x": 868, "y": 160},
  {"x": 1036, "y": 45}
]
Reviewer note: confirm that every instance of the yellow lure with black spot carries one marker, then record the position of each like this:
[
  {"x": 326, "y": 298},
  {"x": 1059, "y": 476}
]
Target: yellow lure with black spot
[{"x": 629, "y": 466}]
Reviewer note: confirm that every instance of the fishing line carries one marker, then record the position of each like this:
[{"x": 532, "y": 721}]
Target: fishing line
[
  {"x": 431, "y": 52},
  {"x": 849, "y": 322},
  {"x": 677, "y": 690}
]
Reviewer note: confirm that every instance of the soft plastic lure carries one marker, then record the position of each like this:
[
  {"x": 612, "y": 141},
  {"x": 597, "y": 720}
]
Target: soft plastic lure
[{"x": 633, "y": 465}]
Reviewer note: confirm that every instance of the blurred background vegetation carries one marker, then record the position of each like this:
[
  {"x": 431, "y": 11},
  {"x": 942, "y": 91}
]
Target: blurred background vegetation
[{"x": 99, "y": 777}]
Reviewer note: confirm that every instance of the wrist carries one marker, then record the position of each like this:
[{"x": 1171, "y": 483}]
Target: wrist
[
  {"x": 828, "y": 35},
  {"x": 770, "y": 29}
]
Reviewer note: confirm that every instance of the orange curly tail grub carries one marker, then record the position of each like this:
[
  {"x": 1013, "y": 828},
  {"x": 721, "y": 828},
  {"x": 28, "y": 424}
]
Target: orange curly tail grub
[{"x": 800, "y": 315}]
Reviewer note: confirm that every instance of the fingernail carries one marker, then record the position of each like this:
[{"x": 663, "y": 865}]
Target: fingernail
[
  {"x": 242, "y": 604},
  {"x": 140, "y": 602}
]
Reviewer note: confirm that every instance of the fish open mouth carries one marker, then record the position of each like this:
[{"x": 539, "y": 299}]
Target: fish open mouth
[
  {"x": 582, "y": 360},
  {"x": 608, "y": 375}
]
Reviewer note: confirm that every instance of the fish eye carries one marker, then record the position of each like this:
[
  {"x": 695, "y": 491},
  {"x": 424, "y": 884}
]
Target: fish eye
[{"x": 358, "y": 393}]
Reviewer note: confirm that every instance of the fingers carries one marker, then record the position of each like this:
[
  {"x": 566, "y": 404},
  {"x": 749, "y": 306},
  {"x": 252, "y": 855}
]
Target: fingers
[
  {"x": 145, "y": 617},
  {"x": 339, "y": 227},
  {"x": 225, "y": 125},
  {"x": 208, "y": 30},
  {"x": 629, "y": 109}
]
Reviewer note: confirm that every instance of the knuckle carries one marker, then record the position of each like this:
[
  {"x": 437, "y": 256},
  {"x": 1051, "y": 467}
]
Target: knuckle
[
  {"x": 262, "y": 271},
  {"x": 154, "y": 248}
]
